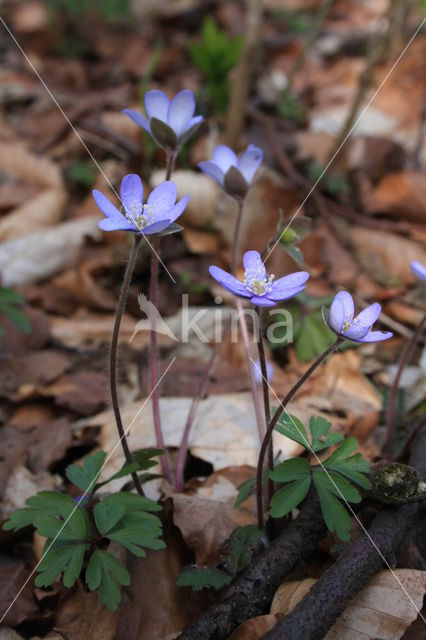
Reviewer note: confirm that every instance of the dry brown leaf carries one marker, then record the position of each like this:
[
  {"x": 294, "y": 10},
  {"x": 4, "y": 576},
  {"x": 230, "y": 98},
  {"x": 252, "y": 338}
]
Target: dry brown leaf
[
  {"x": 387, "y": 256},
  {"x": 44, "y": 208},
  {"x": 400, "y": 194},
  {"x": 206, "y": 525},
  {"x": 81, "y": 615},
  {"x": 92, "y": 329},
  {"x": 381, "y": 610},
  {"x": 255, "y": 628},
  {"x": 153, "y": 606},
  {"x": 41, "y": 254}
]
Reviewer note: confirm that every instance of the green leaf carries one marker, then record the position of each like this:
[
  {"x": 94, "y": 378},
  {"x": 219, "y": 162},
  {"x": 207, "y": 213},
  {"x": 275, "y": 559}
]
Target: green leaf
[
  {"x": 350, "y": 466},
  {"x": 106, "y": 573},
  {"x": 84, "y": 477},
  {"x": 338, "y": 485},
  {"x": 20, "y": 518},
  {"x": 18, "y": 317},
  {"x": 107, "y": 514},
  {"x": 134, "y": 539},
  {"x": 287, "y": 498},
  {"x": 242, "y": 544},
  {"x": 294, "y": 252},
  {"x": 10, "y": 296},
  {"x": 144, "y": 458},
  {"x": 294, "y": 469},
  {"x": 244, "y": 491},
  {"x": 48, "y": 506},
  {"x": 56, "y": 559},
  {"x": 132, "y": 502},
  {"x": 292, "y": 428},
  {"x": 73, "y": 528},
  {"x": 198, "y": 579},
  {"x": 335, "y": 515},
  {"x": 321, "y": 439}
]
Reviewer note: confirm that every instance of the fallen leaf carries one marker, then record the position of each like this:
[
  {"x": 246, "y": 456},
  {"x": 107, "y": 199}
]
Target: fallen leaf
[
  {"x": 22, "y": 484},
  {"x": 387, "y": 256},
  {"x": 84, "y": 392},
  {"x": 153, "y": 606},
  {"x": 207, "y": 519},
  {"x": 41, "y": 254},
  {"x": 81, "y": 615},
  {"x": 43, "y": 209},
  {"x": 381, "y": 610},
  {"x": 255, "y": 628},
  {"x": 13, "y": 574},
  {"x": 21, "y": 373}
]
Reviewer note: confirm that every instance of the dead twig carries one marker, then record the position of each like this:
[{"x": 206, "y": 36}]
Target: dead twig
[{"x": 241, "y": 75}]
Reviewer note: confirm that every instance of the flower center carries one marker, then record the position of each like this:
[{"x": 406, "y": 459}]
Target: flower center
[
  {"x": 140, "y": 216},
  {"x": 346, "y": 325},
  {"x": 256, "y": 281}
]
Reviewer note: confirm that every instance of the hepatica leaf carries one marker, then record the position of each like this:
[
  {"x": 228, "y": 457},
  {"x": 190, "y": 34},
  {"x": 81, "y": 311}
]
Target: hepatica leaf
[
  {"x": 84, "y": 477},
  {"x": 292, "y": 428},
  {"x": 106, "y": 573}
]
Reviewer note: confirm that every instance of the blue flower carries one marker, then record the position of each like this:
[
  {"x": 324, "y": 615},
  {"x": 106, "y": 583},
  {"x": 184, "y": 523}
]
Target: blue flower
[
  {"x": 169, "y": 122},
  {"x": 340, "y": 319},
  {"x": 257, "y": 286},
  {"x": 157, "y": 214},
  {"x": 418, "y": 269},
  {"x": 227, "y": 169}
]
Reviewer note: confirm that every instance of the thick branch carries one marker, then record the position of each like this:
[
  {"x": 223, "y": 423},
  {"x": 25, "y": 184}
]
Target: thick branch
[
  {"x": 251, "y": 593},
  {"x": 329, "y": 597}
]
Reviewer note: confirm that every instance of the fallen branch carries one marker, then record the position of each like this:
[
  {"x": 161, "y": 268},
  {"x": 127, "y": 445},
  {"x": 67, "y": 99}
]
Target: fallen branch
[
  {"x": 252, "y": 592},
  {"x": 328, "y": 598}
]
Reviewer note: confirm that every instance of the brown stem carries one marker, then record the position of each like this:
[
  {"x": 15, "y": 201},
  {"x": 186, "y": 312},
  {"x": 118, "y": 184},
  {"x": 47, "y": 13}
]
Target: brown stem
[
  {"x": 155, "y": 396},
  {"x": 273, "y": 422},
  {"x": 113, "y": 356},
  {"x": 250, "y": 370},
  {"x": 171, "y": 159},
  {"x": 235, "y": 239},
  {"x": 266, "y": 404},
  {"x": 204, "y": 382},
  {"x": 201, "y": 390},
  {"x": 408, "y": 349}
]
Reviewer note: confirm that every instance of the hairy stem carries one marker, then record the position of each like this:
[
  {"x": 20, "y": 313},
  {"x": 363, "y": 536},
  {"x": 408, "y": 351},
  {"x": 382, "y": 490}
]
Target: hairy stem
[
  {"x": 155, "y": 396},
  {"x": 204, "y": 382},
  {"x": 235, "y": 239},
  {"x": 266, "y": 404},
  {"x": 113, "y": 356},
  {"x": 408, "y": 349},
  {"x": 273, "y": 422},
  {"x": 246, "y": 343}
]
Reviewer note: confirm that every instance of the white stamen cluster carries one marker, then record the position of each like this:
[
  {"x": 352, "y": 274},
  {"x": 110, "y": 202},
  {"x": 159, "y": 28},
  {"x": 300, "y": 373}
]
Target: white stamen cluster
[
  {"x": 256, "y": 281},
  {"x": 140, "y": 215}
]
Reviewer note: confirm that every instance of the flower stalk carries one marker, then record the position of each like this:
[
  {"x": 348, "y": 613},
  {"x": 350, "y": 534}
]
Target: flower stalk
[
  {"x": 273, "y": 422},
  {"x": 113, "y": 357}
]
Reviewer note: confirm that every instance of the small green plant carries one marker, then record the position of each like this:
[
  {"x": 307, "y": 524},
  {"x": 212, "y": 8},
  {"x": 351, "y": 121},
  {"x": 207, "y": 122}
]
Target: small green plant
[
  {"x": 79, "y": 530},
  {"x": 334, "y": 185},
  {"x": 332, "y": 479},
  {"x": 294, "y": 232},
  {"x": 241, "y": 545},
  {"x": 10, "y": 301},
  {"x": 82, "y": 173},
  {"x": 215, "y": 55}
]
